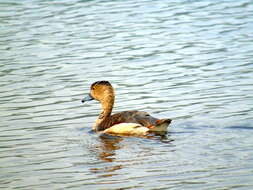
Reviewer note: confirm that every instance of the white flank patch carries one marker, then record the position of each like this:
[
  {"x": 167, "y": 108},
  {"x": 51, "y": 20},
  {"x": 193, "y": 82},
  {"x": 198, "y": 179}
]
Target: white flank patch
[{"x": 127, "y": 129}]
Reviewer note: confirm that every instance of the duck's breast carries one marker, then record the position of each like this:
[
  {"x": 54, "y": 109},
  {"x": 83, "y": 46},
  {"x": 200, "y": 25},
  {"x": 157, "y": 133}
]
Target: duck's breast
[{"x": 127, "y": 129}]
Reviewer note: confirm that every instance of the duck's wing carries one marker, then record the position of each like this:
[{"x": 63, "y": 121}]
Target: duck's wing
[
  {"x": 142, "y": 118},
  {"x": 130, "y": 117},
  {"x": 124, "y": 117}
]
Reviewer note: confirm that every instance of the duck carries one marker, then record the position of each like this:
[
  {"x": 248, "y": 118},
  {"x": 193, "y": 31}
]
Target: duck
[{"x": 132, "y": 122}]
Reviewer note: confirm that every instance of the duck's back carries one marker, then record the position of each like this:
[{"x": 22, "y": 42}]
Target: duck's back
[
  {"x": 132, "y": 117},
  {"x": 141, "y": 118}
]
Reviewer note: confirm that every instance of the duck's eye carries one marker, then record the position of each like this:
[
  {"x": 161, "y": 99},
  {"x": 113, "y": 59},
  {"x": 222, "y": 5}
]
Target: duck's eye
[
  {"x": 93, "y": 88},
  {"x": 147, "y": 115}
]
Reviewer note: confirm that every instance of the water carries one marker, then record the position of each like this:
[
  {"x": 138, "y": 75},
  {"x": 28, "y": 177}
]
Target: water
[{"x": 187, "y": 60}]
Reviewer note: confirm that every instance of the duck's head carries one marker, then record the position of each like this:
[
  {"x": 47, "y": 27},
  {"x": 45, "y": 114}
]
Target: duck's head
[{"x": 101, "y": 91}]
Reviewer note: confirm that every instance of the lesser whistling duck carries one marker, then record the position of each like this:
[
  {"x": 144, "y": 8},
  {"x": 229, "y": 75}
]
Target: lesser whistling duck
[{"x": 126, "y": 122}]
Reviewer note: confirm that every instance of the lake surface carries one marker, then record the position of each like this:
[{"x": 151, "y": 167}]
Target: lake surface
[{"x": 191, "y": 61}]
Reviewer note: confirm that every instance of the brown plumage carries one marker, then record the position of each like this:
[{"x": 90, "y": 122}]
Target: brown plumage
[{"x": 126, "y": 122}]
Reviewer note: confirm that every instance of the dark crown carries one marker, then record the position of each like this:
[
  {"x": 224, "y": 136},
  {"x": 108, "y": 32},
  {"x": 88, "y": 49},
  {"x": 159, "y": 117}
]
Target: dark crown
[{"x": 103, "y": 82}]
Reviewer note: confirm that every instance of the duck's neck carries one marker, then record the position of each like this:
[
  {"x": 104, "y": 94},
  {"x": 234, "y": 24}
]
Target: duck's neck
[{"x": 104, "y": 120}]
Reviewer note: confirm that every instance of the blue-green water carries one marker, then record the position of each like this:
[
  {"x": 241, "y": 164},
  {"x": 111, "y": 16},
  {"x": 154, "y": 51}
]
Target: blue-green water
[{"x": 191, "y": 61}]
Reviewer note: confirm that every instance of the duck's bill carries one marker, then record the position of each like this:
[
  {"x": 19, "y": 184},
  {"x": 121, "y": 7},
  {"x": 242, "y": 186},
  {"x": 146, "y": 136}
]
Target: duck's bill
[{"x": 87, "y": 98}]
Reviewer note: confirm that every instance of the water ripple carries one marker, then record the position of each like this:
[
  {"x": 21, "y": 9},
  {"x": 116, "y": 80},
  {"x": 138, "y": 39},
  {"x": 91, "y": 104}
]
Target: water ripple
[{"x": 187, "y": 60}]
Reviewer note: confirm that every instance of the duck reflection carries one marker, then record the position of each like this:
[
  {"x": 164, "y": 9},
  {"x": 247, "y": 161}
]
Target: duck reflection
[
  {"x": 107, "y": 151},
  {"x": 108, "y": 145}
]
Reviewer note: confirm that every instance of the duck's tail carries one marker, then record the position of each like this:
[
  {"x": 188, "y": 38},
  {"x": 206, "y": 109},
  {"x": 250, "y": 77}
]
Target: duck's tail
[{"x": 161, "y": 125}]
